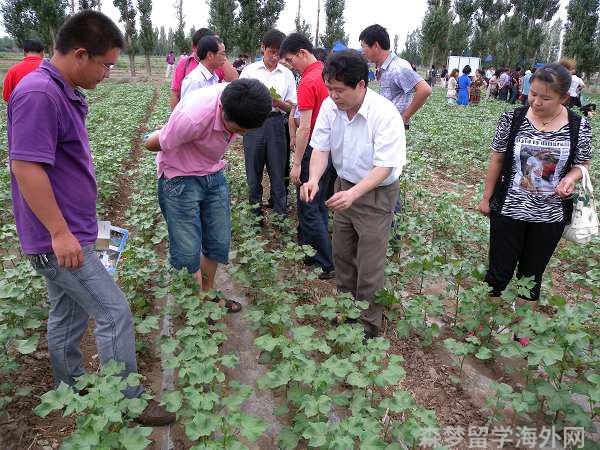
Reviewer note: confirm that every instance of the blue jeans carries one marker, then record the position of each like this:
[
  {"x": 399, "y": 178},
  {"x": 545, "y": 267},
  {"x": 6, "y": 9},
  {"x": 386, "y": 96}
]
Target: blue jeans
[
  {"x": 313, "y": 219},
  {"x": 75, "y": 295},
  {"x": 196, "y": 209}
]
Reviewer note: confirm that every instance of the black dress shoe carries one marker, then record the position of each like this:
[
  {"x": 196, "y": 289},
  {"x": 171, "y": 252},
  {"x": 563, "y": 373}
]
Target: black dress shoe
[
  {"x": 155, "y": 415},
  {"x": 327, "y": 275},
  {"x": 371, "y": 331}
]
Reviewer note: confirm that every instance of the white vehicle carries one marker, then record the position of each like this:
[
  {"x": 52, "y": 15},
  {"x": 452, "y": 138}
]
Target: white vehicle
[{"x": 459, "y": 62}]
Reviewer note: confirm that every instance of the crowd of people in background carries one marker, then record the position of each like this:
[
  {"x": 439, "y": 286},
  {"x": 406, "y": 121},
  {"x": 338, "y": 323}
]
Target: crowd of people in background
[{"x": 506, "y": 84}]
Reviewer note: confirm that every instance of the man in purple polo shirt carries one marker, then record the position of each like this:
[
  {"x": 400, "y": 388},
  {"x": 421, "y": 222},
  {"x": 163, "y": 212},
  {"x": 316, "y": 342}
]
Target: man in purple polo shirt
[
  {"x": 192, "y": 189},
  {"x": 54, "y": 201}
]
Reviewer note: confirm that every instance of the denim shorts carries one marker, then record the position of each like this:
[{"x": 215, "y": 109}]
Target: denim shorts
[{"x": 196, "y": 209}]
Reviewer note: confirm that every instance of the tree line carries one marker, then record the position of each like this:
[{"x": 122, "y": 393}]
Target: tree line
[
  {"x": 240, "y": 23},
  {"x": 507, "y": 33}
]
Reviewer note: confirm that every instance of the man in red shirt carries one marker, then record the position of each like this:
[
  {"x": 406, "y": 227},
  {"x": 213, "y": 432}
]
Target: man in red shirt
[
  {"x": 297, "y": 51},
  {"x": 189, "y": 63},
  {"x": 34, "y": 53}
]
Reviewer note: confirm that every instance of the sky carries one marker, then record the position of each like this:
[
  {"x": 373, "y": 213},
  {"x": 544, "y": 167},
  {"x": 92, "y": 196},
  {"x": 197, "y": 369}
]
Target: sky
[{"x": 398, "y": 16}]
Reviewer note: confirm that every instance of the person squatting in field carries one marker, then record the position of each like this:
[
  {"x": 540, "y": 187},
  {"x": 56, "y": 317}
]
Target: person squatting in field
[
  {"x": 54, "y": 191},
  {"x": 192, "y": 188},
  {"x": 533, "y": 169}
]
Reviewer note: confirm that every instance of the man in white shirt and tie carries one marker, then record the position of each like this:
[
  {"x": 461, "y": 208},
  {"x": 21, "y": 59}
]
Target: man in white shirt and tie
[
  {"x": 268, "y": 144},
  {"x": 211, "y": 53},
  {"x": 360, "y": 129}
]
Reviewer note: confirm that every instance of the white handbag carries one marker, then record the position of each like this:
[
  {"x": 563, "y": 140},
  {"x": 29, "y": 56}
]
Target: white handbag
[{"x": 584, "y": 223}]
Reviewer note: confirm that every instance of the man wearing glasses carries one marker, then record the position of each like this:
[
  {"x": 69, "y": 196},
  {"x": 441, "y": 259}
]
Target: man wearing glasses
[
  {"x": 54, "y": 201},
  {"x": 297, "y": 51},
  {"x": 211, "y": 54}
]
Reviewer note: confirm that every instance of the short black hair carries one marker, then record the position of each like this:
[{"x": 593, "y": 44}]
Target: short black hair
[
  {"x": 320, "y": 54},
  {"x": 347, "y": 66},
  {"x": 90, "y": 30},
  {"x": 294, "y": 43},
  {"x": 199, "y": 34},
  {"x": 32, "y": 46},
  {"x": 207, "y": 44},
  {"x": 247, "y": 102},
  {"x": 556, "y": 76},
  {"x": 273, "y": 39},
  {"x": 467, "y": 69},
  {"x": 375, "y": 33}
]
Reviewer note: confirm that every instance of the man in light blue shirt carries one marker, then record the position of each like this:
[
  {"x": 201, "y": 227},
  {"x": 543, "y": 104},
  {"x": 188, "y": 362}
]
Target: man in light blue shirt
[
  {"x": 526, "y": 85},
  {"x": 211, "y": 53}
]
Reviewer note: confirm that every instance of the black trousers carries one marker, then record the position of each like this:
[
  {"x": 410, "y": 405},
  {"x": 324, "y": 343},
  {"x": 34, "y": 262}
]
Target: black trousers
[
  {"x": 267, "y": 145},
  {"x": 313, "y": 217},
  {"x": 529, "y": 245}
]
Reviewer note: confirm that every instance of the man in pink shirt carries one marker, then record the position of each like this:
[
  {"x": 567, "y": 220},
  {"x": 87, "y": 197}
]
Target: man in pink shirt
[
  {"x": 189, "y": 63},
  {"x": 192, "y": 189}
]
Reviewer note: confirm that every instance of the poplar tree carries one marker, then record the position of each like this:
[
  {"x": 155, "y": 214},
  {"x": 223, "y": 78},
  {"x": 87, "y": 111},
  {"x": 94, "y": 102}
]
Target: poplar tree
[
  {"x": 222, "y": 20},
  {"x": 435, "y": 30},
  {"x": 334, "y": 23},
  {"x": 580, "y": 34},
  {"x": 147, "y": 35},
  {"x": 128, "y": 14},
  {"x": 301, "y": 26},
  {"x": 256, "y": 17},
  {"x": 179, "y": 37}
]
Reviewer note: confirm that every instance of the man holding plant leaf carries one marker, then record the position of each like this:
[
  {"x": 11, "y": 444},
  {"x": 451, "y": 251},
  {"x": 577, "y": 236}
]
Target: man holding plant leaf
[{"x": 268, "y": 145}]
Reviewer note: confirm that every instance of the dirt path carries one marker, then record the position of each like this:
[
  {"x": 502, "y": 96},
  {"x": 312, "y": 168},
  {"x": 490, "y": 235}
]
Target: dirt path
[{"x": 240, "y": 342}]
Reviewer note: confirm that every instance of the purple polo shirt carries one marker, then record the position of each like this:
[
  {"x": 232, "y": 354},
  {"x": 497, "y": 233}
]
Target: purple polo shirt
[{"x": 46, "y": 124}]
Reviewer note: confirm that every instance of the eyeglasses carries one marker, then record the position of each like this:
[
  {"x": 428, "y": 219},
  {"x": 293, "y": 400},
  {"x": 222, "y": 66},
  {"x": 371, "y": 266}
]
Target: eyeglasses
[
  {"x": 107, "y": 67},
  {"x": 290, "y": 59}
]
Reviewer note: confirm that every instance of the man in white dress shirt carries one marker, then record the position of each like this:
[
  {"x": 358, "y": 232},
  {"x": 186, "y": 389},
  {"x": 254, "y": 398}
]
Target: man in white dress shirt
[
  {"x": 211, "y": 53},
  {"x": 360, "y": 129},
  {"x": 268, "y": 145}
]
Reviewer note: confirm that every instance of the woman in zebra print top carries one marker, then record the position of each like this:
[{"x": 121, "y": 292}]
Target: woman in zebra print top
[{"x": 532, "y": 169}]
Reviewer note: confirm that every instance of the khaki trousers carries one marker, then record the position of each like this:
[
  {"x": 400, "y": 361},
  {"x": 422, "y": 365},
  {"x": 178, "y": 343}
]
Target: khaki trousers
[{"x": 360, "y": 238}]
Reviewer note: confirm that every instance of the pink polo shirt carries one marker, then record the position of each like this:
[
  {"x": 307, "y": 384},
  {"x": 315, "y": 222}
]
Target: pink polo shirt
[{"x": 194, "y": 140}]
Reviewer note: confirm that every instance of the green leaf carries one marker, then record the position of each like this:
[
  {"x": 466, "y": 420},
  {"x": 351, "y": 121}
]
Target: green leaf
[
  {"x": 357, "y": 379},
  {"x": 266, "y": 342},
  {"x": 147, "y": 325},
  {"x": 403, "y": 328},
  {"x": 27, "y": 346},
  {"x": 135, "y": 438},
  {"x": 229, "y": 361},
  {"x": 53, "y": 400},
  {"x": 400, "y": 402},
  {"x": 316, "y": 433},
  {"x": 203, "y": 424},
  {"x": 390, "y": 376},
  {"x": 303, "y": 333},
  {"x": 484, "y": 353},
  {"x": 252, "y": 427},
  {"x": 287, "y": 439},
  {"x": 172, "y": 401}
]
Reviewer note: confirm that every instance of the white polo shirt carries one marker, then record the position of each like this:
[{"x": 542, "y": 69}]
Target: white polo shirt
[
  {"x": 198, "y": 78},
  {"x": 281, "y": 79},
  {"x": 373, "y": 138}
]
